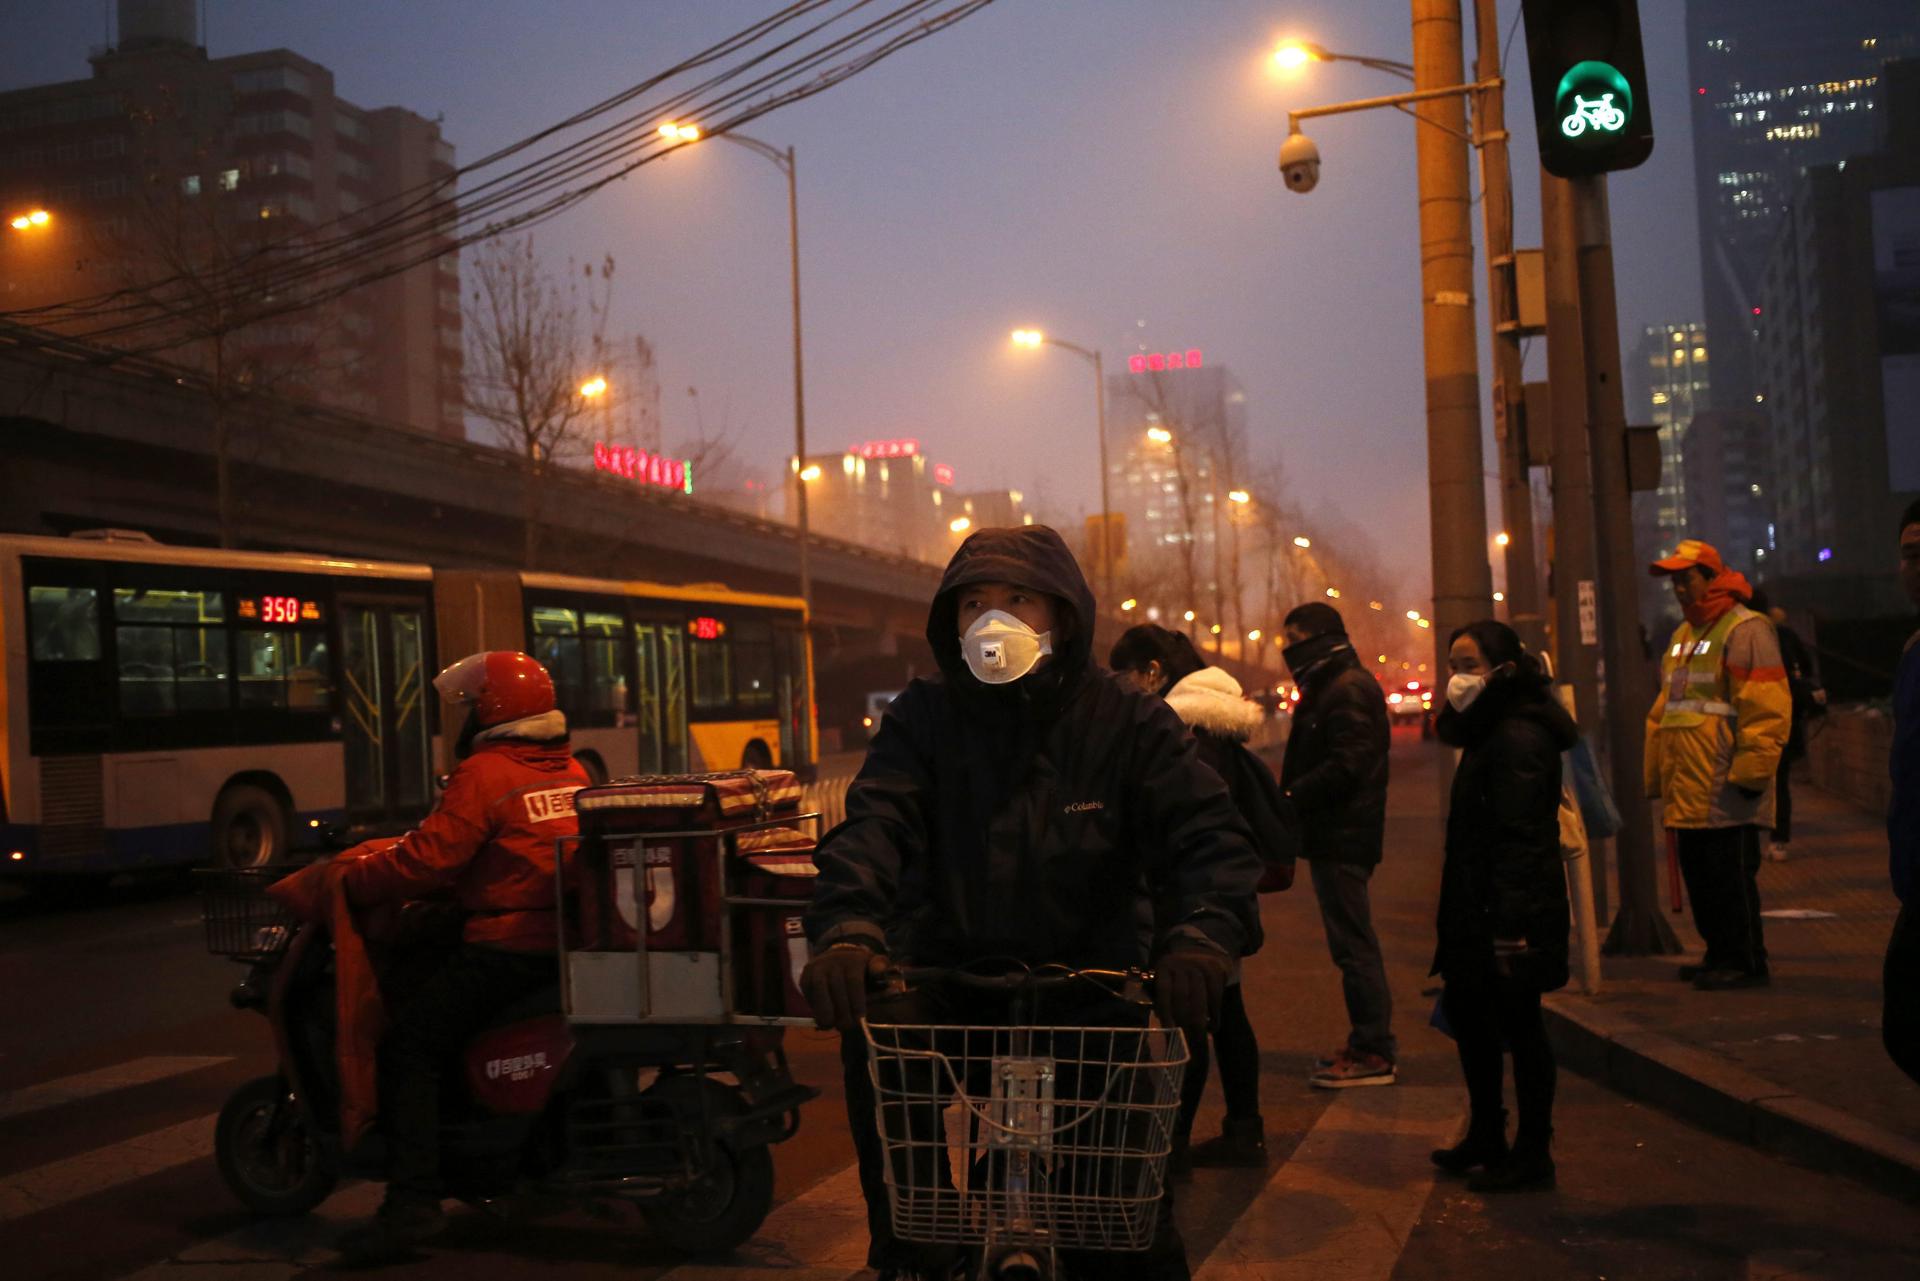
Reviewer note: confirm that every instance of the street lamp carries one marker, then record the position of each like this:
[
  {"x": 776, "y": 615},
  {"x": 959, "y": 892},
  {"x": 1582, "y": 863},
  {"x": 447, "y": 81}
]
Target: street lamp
[
  {"x": 1240, "y": 496},
  {"x": 1033, "y": 340},
  {"x": 960, "y": 524},
  {"x": 1333, "y": 593},
  {"x": 594, "y": 387},
  {"x": 681, "y": 132},
  {"x": 1294, "y": 54},
  {"x": 1128, "y": 605},
  {"x": 810, "y": 473},
  {"x": 1502, "y": 538},
  {"x": 1302, "y": 541},
  {"x": 32, "y": 219},
  {"x": 1159, "y": 435}
]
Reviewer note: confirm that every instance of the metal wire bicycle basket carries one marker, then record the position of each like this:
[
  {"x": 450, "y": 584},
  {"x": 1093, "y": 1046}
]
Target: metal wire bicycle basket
[
  {"x": 241, "y": 921},
  {"x": 1043, "y": 1136}
]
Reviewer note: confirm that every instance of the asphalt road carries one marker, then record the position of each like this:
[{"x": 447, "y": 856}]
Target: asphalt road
[{"x": 117, "y": 1048}]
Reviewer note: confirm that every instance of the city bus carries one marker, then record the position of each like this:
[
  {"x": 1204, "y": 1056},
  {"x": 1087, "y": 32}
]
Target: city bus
[{"x": 163, "y": 706}]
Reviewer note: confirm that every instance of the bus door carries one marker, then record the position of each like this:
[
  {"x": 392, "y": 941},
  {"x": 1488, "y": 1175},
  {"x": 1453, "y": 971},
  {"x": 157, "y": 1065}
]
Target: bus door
[
  {"x": 386, "y": 696},
  {"x": 796, "y": 698},
  {"x": 660, "y": 664}
]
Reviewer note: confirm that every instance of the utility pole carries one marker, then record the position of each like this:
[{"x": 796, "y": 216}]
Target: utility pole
[
  {"x": 1639, "y": 928},
  {"x": 1509, "y": 421},
  {"x": 1575, "y": 579},
  {"x": 1457, "y": 519}
]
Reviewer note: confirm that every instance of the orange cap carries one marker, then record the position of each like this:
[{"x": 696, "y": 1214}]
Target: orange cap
[{"x": 1689, "y": 553}]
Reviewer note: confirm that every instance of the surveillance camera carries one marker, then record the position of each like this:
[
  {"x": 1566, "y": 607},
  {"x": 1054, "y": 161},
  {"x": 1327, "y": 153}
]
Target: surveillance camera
[{"x": 1300, "y": 163}]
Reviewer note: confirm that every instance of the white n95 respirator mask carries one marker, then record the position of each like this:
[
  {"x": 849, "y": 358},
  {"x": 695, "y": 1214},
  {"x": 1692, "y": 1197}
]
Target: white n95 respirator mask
[{"x": 999, "y": 648}]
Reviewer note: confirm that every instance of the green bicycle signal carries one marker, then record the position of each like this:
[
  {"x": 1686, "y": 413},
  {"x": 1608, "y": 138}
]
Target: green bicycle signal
[{"x": 1594, "y": 101}]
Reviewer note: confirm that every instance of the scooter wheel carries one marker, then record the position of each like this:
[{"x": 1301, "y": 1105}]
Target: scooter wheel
[
  {"x": 268, "y": 1154},
  {"x": 724, "y": 1212}
]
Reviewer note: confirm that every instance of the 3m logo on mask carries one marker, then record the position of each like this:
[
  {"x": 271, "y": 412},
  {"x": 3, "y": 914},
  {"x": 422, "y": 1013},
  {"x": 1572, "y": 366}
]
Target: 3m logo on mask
[
  {"x": 550, "y": 806},
  {"x": 521, "y": 1067},
  {"x": 999, "y": 648}
]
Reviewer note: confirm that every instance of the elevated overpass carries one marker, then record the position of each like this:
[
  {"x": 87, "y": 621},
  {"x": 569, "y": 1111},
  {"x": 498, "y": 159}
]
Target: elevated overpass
[{"x": 92, "y": 438}]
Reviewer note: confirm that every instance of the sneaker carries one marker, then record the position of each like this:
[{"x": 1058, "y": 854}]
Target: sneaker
[
  {"x": 1777, "y": 851},
  {"x": 1352, "y": 1070},
  {"x": 393, "y": 1233},
  {"x": 1328, "y": 1059},
  {"x": 1731, "y": 980}
]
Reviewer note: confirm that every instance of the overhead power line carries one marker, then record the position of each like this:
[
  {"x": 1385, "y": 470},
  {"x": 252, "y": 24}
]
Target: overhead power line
[{"x": 804, "y": 49}]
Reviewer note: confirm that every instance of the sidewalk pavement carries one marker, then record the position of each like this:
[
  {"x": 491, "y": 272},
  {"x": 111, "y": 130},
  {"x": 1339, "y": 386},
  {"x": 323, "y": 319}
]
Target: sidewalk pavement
[{"x": 1796, "y": 1068}]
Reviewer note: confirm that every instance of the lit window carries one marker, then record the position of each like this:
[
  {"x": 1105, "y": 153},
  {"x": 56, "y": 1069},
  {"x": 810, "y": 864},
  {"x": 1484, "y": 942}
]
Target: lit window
[
  {"x": 1699, "y": 353},
  {"x": 190, "y": 185},
  {"x": 229, "y": 179}
]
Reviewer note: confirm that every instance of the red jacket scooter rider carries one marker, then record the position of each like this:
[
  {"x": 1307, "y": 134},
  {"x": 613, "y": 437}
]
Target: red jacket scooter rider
[{"x": 489, "y": 843}]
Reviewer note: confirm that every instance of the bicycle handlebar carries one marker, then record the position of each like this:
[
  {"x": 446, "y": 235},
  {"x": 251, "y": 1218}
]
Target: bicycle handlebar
[{"x": 1032, "y": 978}]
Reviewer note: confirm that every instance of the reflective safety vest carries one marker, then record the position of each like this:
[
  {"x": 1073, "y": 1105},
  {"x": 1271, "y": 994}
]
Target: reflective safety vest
[{"x": 1695, "y": 670}]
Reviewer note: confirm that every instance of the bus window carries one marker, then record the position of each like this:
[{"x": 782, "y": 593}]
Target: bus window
[
  {"x": 284, "y": 668},
  {"x": 606, "y": 666},
  {"x": 172, "y": 650},
  {"x": 711, "y": 687},
  {"x": 753, "y": 680},
  {"x": 555, "y": 643},
  {"x": 65, "y": 623}
]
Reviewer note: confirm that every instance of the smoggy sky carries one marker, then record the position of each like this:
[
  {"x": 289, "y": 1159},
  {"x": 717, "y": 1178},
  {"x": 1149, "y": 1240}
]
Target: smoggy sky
[{"x": 1102, "y": 168}]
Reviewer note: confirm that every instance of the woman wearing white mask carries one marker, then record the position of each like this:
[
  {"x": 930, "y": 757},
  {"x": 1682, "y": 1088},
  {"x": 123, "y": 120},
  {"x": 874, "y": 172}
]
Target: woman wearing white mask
[
  {"x": 1503, "y": 918},
  {"x": 1023, "y": 806}
]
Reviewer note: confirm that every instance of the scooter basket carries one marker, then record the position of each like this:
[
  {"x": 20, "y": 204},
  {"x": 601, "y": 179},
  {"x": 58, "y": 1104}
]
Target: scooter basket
[
  {"x": 1041, "y": 1136},
  {"x": 241, "y": 920}
]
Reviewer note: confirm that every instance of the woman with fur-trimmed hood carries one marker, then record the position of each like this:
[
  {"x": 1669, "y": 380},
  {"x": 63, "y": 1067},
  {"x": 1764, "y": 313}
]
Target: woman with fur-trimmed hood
[{"x": 1211, "y": 705}]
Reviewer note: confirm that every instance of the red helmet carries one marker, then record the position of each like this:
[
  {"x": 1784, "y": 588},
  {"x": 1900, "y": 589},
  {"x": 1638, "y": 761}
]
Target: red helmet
[{"x": 504, "y": 685}]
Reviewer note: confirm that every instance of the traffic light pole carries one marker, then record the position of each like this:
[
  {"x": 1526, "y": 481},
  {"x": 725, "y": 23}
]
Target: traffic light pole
[
  {"x": 1509, "y": 423},
  {"x": 1639, "y": 929},
  {"x": 1576, "y": 637},
  {"x": 1462, "y": 578}
]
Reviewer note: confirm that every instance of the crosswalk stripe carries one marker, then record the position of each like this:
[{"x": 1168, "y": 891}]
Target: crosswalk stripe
[
  {"x": 69, "y": 1089},
  {"x": 50, "y": 1186},
  {"x": 270, "y": 1249},
  {"x": 1344, "y": 1203}
]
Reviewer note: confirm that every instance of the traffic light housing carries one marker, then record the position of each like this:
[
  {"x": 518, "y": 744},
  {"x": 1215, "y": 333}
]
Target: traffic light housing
[{"x": 1591, "y": 108}]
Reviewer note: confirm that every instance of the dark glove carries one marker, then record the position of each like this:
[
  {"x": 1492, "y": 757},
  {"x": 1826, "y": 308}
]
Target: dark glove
[
  {"x": 1188, "y": 987},
  {"x": 835, "y": 984}
]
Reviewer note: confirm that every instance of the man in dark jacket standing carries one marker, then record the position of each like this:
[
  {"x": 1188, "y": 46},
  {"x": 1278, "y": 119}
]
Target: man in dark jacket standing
[
  {"x": 1022, "y": 807},
  {"x": 1335, "y": 775}
]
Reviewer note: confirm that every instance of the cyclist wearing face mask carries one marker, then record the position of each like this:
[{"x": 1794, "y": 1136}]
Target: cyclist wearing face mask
[{"x": 1024, "y": 805}]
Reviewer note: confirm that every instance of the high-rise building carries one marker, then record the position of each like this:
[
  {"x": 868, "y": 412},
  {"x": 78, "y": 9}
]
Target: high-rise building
[
  {"x": 167, "y": 163},
  {"x": 1776, "y": 86},
  {"x": 1667, "y": 380},
  {"x": 1727, "y": 463},
  {"x": 1839, "y": 350},
  {"x": 1170, "y": 434},
  {"x": 883, "y": 494}
]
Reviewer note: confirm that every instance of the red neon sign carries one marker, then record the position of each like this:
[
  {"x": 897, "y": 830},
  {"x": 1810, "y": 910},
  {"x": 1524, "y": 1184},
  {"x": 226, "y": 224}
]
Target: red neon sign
[
  {"x": 649, "y": 469},
  {"x": 1155, "y": 361},
  {"x": 887, "y": 449},
  {"x": 942, "y": 474}
]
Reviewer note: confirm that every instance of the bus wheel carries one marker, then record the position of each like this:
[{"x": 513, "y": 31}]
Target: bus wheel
[
  {"x": 249, "y": 827},
  {"x": 756, "y": 756}
]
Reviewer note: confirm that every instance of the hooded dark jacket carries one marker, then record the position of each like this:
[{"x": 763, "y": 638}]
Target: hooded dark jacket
[
  {"x": 1335, "y": 768},
  {"x": 1043, "y": 820},
  {"x": 1503, "y": 876}
]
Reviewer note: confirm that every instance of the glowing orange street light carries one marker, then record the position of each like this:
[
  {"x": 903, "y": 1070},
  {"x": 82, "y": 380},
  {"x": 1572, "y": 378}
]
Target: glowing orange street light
[
  {"x": 30, "y": 220},
  {"x": 594, "y": 387},
  {"x": 960, "y": 525},
  {"x": 1159, "y": 435},
  {"x": 1189, "y": 616},
  {"x": 810, "y": 473},
  {"x": 1028, "y": 337},
  {"x": 1302, "y": 540},
  {"x": 1502, "y": 538},
  {"x": 673, "y": 131},
  {"x": 1128, "y": 605}
]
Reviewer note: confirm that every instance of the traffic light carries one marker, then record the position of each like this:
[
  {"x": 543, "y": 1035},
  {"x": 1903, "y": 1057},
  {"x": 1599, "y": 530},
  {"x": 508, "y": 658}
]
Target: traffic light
[{"x": 1591, "y": 108}]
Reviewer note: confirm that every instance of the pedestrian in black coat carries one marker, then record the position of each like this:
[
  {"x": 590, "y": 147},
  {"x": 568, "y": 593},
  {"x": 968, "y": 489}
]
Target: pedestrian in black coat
[
  {"x": 1165, "y": 664},
  {"x": 1334, "y": 775},
  {"x": 1503, "y": 919},
  {"x": 1022, "y": 808}
]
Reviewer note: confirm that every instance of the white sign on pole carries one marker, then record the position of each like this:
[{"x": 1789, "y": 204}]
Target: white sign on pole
[{"x": 1589, "y": 614}]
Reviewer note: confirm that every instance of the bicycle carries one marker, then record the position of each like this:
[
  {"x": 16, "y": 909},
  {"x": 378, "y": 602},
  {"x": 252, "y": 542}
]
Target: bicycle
[
  {"x": 1598, "y": 112},
  {"x": 1062, "y": 1131}
]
